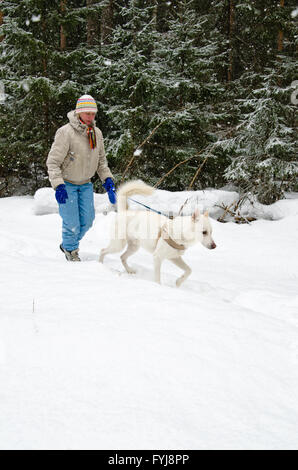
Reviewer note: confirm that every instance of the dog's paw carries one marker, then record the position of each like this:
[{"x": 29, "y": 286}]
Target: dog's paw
[{"x": 179, "y": 282}]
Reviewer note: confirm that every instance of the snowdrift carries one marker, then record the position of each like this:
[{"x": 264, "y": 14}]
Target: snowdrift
[
  {"x": 166, "y": 201},
  {"x": 92, "y": 358}
]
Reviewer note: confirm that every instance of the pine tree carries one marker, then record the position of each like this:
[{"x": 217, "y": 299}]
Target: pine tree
[
  {"x": 24, "y": 72},
  {"x": 264, "y": 148},
  {"x": 155, "y": 72},
  {"x": 193, "y": 74},
  {"x": 123, "y": 84},
  {"x": 45, "y": 66}
]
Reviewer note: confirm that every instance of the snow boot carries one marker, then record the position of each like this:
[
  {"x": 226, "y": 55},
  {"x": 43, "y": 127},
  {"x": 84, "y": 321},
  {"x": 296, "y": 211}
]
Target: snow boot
[{"x": 71, "y": 255}]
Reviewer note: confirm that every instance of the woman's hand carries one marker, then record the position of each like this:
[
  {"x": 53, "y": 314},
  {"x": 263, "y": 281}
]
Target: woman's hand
[
  {"x": 61, "y": 194},
  {"x": 109, "y": 186}
]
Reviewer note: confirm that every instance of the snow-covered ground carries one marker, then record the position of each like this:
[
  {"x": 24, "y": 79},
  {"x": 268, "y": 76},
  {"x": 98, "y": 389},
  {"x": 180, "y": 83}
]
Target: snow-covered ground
[{"x": 91, "y": 357}]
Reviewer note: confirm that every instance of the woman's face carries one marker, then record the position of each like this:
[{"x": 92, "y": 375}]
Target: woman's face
[{"x": 88, "y": 118}]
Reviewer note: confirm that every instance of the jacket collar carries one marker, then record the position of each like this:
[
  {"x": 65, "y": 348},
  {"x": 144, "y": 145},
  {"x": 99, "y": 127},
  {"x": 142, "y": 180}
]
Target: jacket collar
[{"x": 76, "y": 123}]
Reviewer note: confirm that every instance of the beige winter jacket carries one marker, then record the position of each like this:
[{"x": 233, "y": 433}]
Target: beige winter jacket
[{"x": 71, "y": 158}]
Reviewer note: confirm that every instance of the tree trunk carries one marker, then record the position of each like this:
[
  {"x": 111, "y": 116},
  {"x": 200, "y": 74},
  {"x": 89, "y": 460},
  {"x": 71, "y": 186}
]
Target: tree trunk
[
  {"x": 37, "y": 159},
  {"x": 62, "y": 32},
  {"x": 92, "y": 26},
  {"x": 154, "y": 13},
  {"x": 280, "y": 32},
  {"x": 280, "y": 40},
  {"x": 160, "y": 11},
  {"x": 107, "y": 22},
  {"x": 1, "y": 22},
  {"x": 231, "y": 25}
]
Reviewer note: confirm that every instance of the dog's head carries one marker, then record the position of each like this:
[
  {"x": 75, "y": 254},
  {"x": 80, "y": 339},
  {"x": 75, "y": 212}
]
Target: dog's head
[{"x": 203, "y": 229}]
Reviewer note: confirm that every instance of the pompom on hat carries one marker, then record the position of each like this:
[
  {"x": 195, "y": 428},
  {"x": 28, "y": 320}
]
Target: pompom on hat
[{"x": 86, "y": 104}]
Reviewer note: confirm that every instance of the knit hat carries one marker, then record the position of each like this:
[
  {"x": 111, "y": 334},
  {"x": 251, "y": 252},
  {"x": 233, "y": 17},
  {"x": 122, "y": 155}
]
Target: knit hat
[{"x": 86, "y": 104}]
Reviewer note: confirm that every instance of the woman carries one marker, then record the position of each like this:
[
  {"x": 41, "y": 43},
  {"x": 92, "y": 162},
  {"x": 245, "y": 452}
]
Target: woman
[{"x": 76, "y": 154}]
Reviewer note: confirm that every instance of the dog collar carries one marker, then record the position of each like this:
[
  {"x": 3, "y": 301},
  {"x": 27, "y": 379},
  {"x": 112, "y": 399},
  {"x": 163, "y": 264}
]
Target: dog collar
[{"x": 166, "y": 237}]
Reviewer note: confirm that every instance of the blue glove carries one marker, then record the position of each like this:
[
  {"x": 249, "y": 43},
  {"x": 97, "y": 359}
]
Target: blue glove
[
  {"x": 61, "y": 194},
  {"x": 111, "y": 190}
]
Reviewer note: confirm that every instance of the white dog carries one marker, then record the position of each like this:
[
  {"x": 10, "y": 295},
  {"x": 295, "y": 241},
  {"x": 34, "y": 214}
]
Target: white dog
[{"x": 163, "y": 237}]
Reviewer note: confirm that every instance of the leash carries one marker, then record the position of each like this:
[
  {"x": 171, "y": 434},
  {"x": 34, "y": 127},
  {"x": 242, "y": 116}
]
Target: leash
[{"x": 151, "y": 209}]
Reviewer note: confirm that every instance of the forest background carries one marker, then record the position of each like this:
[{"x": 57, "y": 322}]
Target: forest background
[{"x": 191, "y": 93}]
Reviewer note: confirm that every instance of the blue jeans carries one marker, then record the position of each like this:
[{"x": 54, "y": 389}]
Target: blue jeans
[{"x": 77, "y": 214}]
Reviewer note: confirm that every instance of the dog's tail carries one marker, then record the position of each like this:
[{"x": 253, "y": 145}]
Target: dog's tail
[{"x": 130, "y": 188}]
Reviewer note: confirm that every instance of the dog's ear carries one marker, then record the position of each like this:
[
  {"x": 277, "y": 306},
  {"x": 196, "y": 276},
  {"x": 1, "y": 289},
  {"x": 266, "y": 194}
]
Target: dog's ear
[
  {"x": 206, "y": 213},
  {"x": 196, "y": 215}
]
